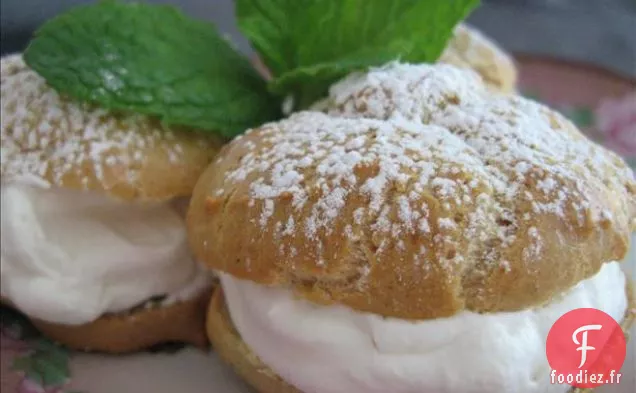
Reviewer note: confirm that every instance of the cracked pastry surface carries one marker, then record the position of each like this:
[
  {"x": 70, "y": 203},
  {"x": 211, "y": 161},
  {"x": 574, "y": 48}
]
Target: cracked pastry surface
[{"x": 419, "y": 194}]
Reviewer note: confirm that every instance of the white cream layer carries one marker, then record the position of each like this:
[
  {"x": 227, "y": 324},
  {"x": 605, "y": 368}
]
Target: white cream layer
[
  {"x": 334, "y": 349},
  {"x": 69, "y": 257}
]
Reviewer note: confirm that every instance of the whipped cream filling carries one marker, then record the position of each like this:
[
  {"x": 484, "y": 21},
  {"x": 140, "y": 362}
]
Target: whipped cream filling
[
  {"x": 334, "y": 349},
  {"x": 69, "y": 257}
]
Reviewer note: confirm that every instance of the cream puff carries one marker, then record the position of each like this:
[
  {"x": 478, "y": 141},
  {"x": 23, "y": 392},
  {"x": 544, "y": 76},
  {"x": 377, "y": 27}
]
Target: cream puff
[
  {"x": 469, "y": 48},
  {"x": 422, "y": 235},
  {"x": 94, "y": 245}
]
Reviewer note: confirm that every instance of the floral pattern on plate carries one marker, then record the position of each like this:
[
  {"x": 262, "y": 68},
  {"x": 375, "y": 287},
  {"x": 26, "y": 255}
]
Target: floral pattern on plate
[{"x": 43, "y": 366}]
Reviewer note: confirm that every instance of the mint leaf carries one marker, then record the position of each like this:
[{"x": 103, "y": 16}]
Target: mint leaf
[
  {"x": 312, "y": 82},
  {"x": 152, "y": 60},
  {"x": 309, "y": 44}
]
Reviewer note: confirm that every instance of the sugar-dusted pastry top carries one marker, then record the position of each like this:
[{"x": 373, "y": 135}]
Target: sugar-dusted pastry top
[
  {"x": 468, "y": 48},
  {"x": 54, "y": 141},
  {"x": 420, "y": 194}
]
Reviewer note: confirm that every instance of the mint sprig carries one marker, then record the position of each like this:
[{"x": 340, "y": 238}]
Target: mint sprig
[
  {"x": 151, "y": 60},
  {"x": 156, "y": 61},
  {"x": 309, "y": 44}
]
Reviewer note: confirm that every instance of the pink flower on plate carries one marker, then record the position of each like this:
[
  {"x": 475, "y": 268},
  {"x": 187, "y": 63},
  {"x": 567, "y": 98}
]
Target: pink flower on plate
[
  {"x": 27, "y": 386},
  {"x": 616, "y": 121}
]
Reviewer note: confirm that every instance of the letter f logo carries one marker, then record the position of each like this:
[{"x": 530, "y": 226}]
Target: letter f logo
[{"x": 583, "y": 344}]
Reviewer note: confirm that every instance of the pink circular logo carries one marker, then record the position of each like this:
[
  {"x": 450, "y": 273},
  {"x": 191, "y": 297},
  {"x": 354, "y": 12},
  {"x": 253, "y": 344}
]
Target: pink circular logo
[{"x": 586, "y": 348}]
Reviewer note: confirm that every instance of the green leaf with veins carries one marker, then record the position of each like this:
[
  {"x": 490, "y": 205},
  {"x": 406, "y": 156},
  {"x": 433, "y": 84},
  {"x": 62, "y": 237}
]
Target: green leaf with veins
[
  {"x": 309, "y": 44},
  {"x": 152, "y": 60}
]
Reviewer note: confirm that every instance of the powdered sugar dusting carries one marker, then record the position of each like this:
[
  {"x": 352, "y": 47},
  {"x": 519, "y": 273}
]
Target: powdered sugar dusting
[
  {"x": 322, "y": 161},
  {"x": 53, "y": 138},
  {"x": 523, "y": 145},
  {"x": 428, "y": 152}
]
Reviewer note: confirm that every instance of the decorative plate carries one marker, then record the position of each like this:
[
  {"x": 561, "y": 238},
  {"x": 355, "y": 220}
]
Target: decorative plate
[{"x": 601, "y": 103}]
